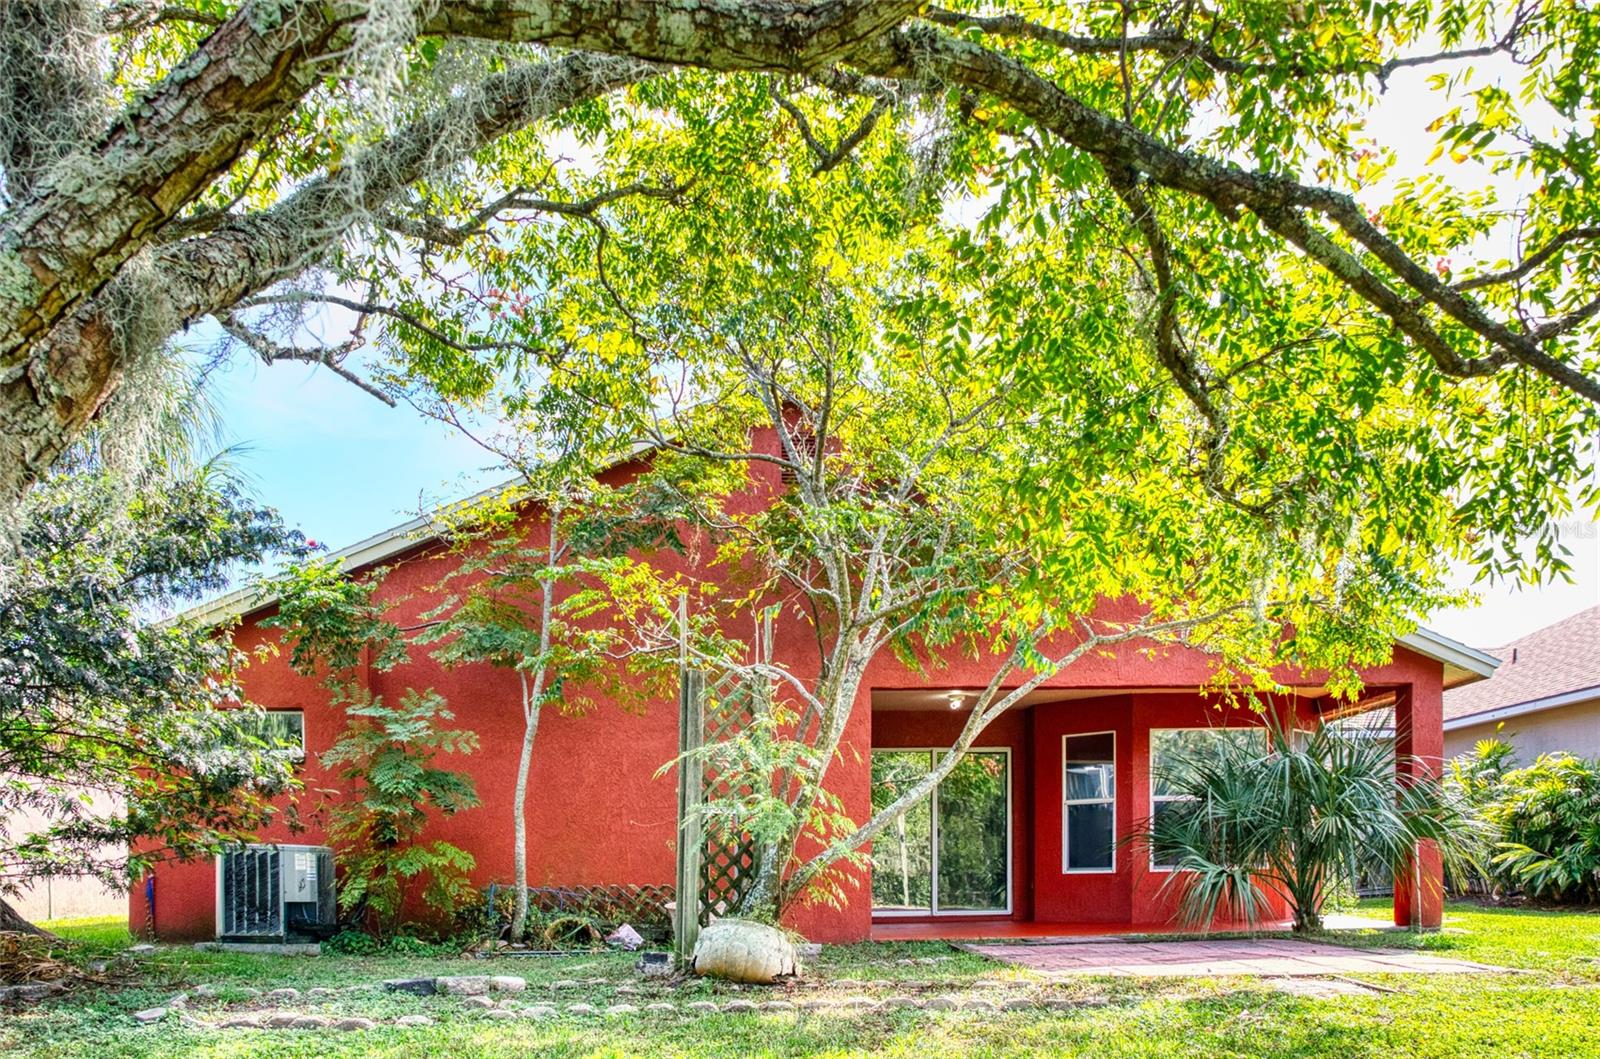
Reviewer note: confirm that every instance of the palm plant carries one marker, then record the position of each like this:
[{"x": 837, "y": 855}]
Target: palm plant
[{"x": 1290, "y": 815}]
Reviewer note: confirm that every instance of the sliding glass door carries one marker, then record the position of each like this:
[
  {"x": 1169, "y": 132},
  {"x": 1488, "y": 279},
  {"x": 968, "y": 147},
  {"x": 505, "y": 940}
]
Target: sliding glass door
[{"x": 951, "y": 852}]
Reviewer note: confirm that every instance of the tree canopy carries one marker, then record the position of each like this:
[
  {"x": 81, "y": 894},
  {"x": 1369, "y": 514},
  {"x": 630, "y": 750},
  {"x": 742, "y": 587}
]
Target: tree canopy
[
  {"x": 1169, "y": 220},
  {"x": 124, "y": 740}
]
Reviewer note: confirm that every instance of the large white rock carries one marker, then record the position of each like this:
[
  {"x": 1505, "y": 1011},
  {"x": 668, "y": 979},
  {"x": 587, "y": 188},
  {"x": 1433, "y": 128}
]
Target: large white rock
[{"x": 744, "y": 951}]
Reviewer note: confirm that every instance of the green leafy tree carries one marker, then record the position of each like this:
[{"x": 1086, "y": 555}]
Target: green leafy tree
[
  {"x": 901, "y": 483},
  {"x": 127, "y": 735},
  {"x": 1174, "y": 210},
  {"x": 548, "y": 611},
  {"x": 1290, "y": 816},
  {"x": 386, "y": 757}
]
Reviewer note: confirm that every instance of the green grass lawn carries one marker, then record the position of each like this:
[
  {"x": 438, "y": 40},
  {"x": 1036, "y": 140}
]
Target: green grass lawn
[{"x": 1548, "y": 1005}]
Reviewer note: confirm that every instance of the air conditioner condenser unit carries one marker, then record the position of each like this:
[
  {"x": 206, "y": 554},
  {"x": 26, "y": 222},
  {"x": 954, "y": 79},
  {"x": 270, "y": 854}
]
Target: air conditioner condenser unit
[{"x": 275, "y": 894}]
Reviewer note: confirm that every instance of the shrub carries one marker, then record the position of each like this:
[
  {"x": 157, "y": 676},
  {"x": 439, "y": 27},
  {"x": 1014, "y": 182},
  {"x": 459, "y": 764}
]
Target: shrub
[
  {"x": 1546, "y": 818},
  {"x": 386, "y": 756}
]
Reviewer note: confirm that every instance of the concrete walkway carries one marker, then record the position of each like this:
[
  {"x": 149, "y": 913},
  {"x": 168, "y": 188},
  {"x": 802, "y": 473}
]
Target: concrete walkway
[{"x": 1275, "y": 957}]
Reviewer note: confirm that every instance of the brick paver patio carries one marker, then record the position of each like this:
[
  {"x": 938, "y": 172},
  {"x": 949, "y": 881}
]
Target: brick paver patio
[{"x": 1251, "y": 956}]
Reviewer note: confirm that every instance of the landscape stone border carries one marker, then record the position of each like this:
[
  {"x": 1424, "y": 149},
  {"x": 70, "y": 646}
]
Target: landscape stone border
[{"x": 499, "y": 997}]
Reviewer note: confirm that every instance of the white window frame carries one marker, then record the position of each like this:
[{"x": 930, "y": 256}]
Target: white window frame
[
  {"x": 933, "y": 908},
  {"x": 1150, "y": 771},
  {"x": 1065, "y": 802}
]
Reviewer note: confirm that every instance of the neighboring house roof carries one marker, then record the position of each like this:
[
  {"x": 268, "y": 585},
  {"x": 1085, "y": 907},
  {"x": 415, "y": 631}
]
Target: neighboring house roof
[
  {"x": 1462, "y": 664},
  {"x": 1551, "y": 667}
]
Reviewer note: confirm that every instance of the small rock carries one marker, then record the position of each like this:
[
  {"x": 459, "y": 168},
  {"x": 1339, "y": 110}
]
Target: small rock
[
  {"x": 704, "y": 1007},
  {"x": 622, "y": 1009},
  {"x": 902, "y": 1002},
  {"x": 629, "y": 990},
  {"x": 141, "y": 950},
  {"x": 625, "y": 937},
  {"x": 309, "y": 1022},
  {"x": 415, "y": 986},
  {"x": 939, "y": 1003},
  {"x": 499, "y": 1013},
  {"x": 462, "y": 985},
  {"x": 736, "y": 1007},
  {"x": 283, "y": 995},
  {"x": 848, "y": 983},
  {"x": 906, "y": 962},
  {"x": 978, "y": 1005},
  {"x": 205, "y": 989},
  {"x": 819, "y": 1003},
  {"x": 566, "y": 983},
  {"x": 355, "y": 1023},
  {"x": 480, "y": 1002},
  {"x": 322, "y": 991},
  {"x": 810, "y": 950},
  {"x": 580, "y": 1009},
  {"x": 862, "y": 1002},
  {"x": 1017, "y": 1003},
  {"x": 507, "y": 983},
  {"x": 98, "y": 966},
  {"x": 660, "y": 1005},
  {"x": 149, "y": 1015},
  {"x": 241, "y": 1022},
  {"x": 506, "y": 1003},
  {"x": 413, "y": 1020},
  {"x": 538, "y": 1011},
  {"x": 178, "y": 1000},
  {"x": 777, "y": 1005},
  {"x": 281, "y": 1021}
]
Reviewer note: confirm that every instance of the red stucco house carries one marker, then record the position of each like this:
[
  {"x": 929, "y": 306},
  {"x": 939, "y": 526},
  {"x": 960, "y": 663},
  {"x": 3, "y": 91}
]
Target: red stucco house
[{"x": 1035, "y": 849}]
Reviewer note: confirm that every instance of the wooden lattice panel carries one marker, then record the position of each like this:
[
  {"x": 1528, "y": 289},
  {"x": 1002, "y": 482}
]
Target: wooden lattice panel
[{"x": 728, "y": 865}]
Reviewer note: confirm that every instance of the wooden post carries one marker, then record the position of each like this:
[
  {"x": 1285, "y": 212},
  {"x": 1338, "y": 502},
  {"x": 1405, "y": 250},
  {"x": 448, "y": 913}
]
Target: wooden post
[{"x": 691, "y": 793}]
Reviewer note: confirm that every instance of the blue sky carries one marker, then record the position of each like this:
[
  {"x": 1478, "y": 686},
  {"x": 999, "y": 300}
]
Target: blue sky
[{"x": 339, "y": 464}]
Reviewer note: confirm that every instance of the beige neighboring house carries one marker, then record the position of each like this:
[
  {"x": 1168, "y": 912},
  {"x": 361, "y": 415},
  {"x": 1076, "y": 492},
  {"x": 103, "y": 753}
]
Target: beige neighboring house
[
  {"x": 66, "y": 896},
  {"x": 1544, "y": 697}
]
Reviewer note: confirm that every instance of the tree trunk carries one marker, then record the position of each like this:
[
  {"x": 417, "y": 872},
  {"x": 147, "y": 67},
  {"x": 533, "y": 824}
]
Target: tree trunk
[
  {"x": 11, "y": 921},
  {"x": 519, "y": 842}
]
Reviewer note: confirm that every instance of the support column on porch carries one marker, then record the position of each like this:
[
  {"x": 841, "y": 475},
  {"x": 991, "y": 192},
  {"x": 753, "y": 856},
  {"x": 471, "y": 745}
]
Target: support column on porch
[{"x": 1419, "y": 750}]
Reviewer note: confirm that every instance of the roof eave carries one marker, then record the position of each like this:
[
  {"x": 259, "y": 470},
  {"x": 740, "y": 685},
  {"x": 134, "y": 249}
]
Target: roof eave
[
  {"x": 1521, "y": 709},
  {"x": 1462, "y": 664}
]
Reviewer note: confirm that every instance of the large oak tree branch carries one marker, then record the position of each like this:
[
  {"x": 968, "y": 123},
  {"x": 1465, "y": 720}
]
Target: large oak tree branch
[{"x": 80, "y": 361}]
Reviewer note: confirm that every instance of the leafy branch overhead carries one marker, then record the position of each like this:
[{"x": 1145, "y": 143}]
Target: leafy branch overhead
[{"x": 1145, "y": 195}]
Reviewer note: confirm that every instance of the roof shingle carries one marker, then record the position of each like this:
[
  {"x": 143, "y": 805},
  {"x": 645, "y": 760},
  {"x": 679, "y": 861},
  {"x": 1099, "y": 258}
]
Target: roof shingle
[{"x": 1550, "y": 661}]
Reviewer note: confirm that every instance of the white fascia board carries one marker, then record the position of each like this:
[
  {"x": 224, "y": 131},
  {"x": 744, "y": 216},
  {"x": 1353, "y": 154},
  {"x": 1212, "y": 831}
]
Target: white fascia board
[
  {"x": 1468, "y": 661},
  {"x": 375, "y": 549},
  {"x": 1519, "y": 709}
]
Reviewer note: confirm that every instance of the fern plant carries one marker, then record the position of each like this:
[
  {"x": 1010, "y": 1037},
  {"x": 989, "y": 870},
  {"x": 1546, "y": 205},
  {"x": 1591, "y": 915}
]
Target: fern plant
[{"x": 386, "y": 758}]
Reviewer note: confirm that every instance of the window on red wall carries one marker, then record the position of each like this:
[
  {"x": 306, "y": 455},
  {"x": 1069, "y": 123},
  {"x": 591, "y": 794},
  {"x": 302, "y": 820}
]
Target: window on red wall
[
  {"x": 284, "y": 730},
  {"x": 1089, "y": 803},
  {"x": 1167, "y": 745}
]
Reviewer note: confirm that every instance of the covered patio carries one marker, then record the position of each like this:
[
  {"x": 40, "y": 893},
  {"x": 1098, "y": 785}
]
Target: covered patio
[{"x": 1034, "y": 835}]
